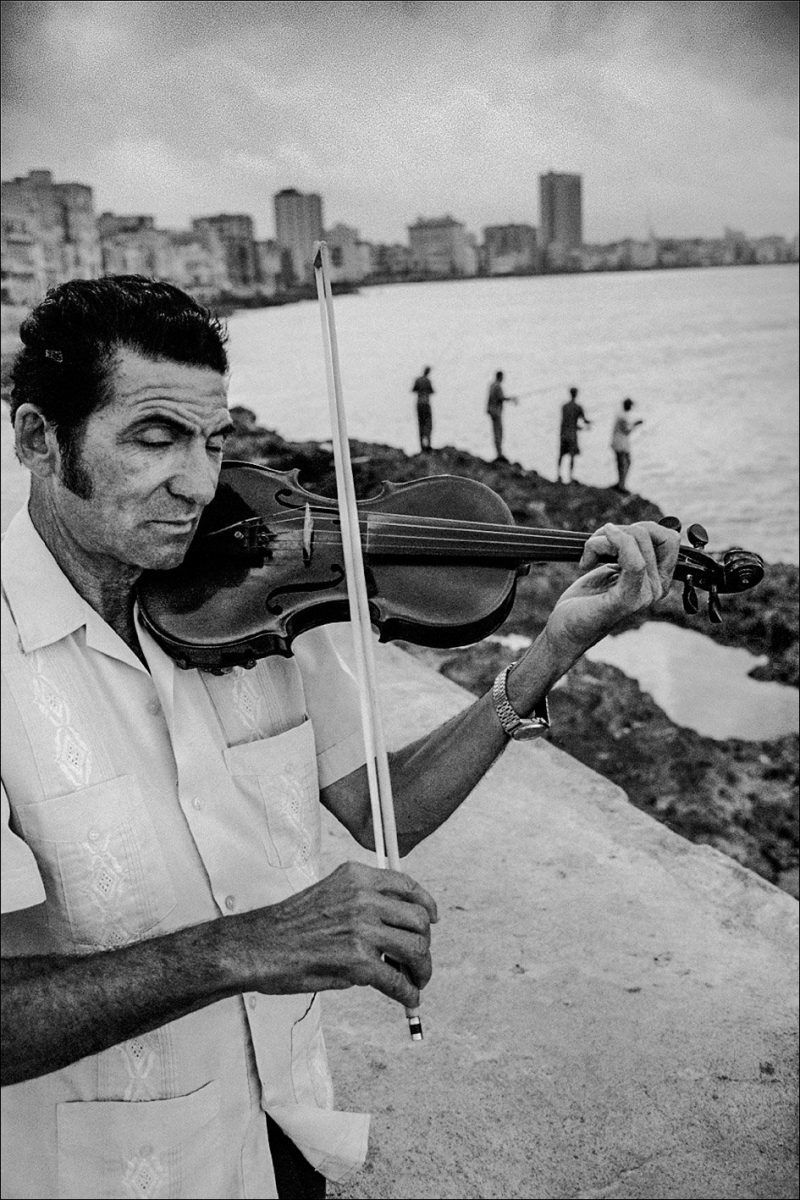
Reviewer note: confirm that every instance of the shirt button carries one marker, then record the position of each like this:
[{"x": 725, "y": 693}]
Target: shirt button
[
  {"x": 196, "y": 803},
  {"x": 230, "y": 903},
  {"x": 252, "y": 1001},
  {"x": 94, "y": 834}
]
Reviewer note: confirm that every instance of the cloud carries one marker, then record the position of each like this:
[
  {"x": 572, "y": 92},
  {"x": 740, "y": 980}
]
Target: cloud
[{"x": 392, "y": 110}]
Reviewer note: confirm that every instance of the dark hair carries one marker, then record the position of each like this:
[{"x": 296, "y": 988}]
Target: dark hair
[
  {"x": 499, "y": 375},
  {"x": 70, "y": 338},
  {"x": 627, "y": 405},
  {"x": 573, "y": 391}
]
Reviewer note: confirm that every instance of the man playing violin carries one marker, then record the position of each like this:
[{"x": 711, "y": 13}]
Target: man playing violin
[{"x": 165, "y": 930}]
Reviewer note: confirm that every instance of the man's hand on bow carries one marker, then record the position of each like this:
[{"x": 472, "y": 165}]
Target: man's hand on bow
[{"x": 335, "y": 934}]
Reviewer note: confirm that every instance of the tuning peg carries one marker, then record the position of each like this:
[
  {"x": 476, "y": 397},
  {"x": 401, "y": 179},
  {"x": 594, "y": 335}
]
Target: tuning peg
[
  {"x": 714, "y": 606},
  {"x": 671, "y": 523},
  {"x": 690, "y": 602},
  {"x": 698, "y": 536}
]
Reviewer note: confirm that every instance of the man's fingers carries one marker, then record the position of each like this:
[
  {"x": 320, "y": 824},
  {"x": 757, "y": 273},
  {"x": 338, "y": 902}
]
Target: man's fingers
[
  {"x": 409, "y": 954},
  {"x": 393, "y": 981},
  {"x": 397, "y": 883},
  {"x": 642, "y": 549},
  {"x": 644, "y": 541}
]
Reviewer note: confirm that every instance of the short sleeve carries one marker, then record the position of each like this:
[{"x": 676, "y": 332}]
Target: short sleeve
[
  {"x": 333, "y": 705},
  {"x": 22, "y": 885}
]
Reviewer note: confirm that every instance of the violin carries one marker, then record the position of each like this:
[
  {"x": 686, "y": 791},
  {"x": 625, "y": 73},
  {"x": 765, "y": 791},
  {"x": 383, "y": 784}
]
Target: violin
[{"x": 442, "y": 557}]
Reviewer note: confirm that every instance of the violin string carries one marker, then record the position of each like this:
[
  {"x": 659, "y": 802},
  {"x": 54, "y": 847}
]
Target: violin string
[
  {"x": 510, "y": 534},
  {"x": 291, "y": 545},
  {"x": 409, "y": 520},
  {"x": 398, "y": 541}
]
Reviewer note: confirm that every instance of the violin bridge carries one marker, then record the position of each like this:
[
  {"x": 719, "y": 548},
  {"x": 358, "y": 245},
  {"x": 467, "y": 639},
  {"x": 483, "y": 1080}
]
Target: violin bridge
[{"x": 308, "y": 535}]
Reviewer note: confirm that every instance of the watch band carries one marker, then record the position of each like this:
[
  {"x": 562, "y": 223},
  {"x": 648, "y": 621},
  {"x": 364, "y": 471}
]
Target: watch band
[{"x": 515, "y": 726}]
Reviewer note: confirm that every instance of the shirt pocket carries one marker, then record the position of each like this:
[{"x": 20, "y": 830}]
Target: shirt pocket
[
  {"x": 277, "y": 777},
  {"x": 152, "y": 1148},
  {"x": 104, "y": 873}
]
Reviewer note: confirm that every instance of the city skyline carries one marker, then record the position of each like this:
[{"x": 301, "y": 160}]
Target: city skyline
[{"x": 679, "y": 117}]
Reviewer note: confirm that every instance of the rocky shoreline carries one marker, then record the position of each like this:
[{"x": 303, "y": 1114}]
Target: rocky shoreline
[{"x": 735, "y": 795}]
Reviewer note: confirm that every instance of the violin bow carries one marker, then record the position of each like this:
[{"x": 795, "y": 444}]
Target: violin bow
[{"x": 378, "y": 776}]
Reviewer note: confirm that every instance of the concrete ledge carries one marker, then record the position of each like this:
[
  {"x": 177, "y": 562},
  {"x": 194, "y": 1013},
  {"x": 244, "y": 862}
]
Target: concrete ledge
[{"x": 613, "y": 1010}]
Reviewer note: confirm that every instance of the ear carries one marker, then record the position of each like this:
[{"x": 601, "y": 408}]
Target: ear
[{"x": 36, "y": 442}]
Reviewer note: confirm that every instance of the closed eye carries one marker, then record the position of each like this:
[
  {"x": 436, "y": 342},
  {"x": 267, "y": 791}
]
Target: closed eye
[{"x": 157, "y": 437}]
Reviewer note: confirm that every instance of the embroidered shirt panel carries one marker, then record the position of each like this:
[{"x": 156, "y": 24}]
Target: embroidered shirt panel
[{"x": 142, "y": 801}]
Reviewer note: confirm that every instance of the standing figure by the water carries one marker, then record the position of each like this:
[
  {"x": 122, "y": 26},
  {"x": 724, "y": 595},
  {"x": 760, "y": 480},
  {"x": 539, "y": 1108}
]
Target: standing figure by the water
[
  {"x": 621, "y": 443},
  {"x": 573, "y": 418},
  {"x": 423, "y": 388},
  {"x": 494, "y": 407}
]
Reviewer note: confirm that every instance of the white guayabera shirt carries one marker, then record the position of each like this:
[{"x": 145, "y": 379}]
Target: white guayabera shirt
[{"x": 138, "y": 802}]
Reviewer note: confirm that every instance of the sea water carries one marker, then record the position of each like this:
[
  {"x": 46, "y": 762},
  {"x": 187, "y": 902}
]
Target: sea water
[{"x": 709, "y": 356}]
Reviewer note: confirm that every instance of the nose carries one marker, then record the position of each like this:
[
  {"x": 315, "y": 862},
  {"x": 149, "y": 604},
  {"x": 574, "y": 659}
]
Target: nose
[{"x": 195, "y": 478}]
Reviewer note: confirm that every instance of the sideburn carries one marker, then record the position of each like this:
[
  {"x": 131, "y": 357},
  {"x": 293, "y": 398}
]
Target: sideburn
[{"x": 74, "y": 475}]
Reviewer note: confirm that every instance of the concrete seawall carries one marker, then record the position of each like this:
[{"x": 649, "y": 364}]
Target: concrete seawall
[{"x": 613, "y": 1009}]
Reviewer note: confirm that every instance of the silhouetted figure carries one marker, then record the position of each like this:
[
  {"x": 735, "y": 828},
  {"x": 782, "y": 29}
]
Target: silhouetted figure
[
  {"x": 621, "y": 443},
  {"x": 494, "y": 407},
  {"x": 423, "y": 388},
  {"x": 573, "y": 418}
]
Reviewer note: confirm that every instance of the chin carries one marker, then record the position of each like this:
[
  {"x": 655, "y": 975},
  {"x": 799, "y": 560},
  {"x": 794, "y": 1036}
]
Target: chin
[{"x": 161, "y": 558}]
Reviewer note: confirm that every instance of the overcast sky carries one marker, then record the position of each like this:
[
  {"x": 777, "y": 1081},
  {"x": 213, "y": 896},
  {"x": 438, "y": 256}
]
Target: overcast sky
[{"x": 682, "y": 115}]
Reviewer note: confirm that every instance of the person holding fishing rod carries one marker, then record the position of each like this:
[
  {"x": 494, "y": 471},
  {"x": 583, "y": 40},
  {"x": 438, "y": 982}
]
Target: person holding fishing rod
[
  {"x": 573, "y": 418},
  {"x": 494, "y": 407}
]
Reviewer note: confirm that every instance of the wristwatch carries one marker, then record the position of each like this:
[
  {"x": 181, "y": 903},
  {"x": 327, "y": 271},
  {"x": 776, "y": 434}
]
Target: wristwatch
[{"x": 515, "y": 726}]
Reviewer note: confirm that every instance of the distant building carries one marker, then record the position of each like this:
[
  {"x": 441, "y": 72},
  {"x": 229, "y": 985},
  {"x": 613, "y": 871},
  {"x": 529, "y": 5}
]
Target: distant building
[
  {"x": 390, "y": 261},
  {"x": 197, "y": 263},
  {"x": 697, "y": 252},
  {"x": 298, "y": 225},
  {"x": 441, "y": 247},
  {"x": 268, "y": 253},
  {"x": 509, "y": 249},
  {"x": 131, "y": 245},
  {"x": 560, "y": 216},
  {"x": 237, "y": 236},
  {"x": 48, "y": 235},
  {"x": 24, "y": 279},
  {"x": 192, "y": 260},
  {"x": 627, "y": 255},
  {"x": 350, "y": 257},
  {"x": 772, "y": 249}
]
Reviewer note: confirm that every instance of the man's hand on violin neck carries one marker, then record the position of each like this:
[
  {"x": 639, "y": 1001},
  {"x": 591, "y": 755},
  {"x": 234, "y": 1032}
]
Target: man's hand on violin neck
[
  {"x": 629, "y": 568},
  {"x": 335, "y": 934}
]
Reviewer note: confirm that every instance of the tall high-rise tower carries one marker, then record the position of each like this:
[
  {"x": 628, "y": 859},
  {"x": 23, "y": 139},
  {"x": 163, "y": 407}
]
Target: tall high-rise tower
[
  {"x": 561, "y": 212},
  {"x": 298, "y": 224}
]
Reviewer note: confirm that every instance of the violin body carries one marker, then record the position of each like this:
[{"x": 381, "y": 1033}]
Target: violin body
[
  {"x": 442, "y": 557},
  {"x": 235, "y": 600}
]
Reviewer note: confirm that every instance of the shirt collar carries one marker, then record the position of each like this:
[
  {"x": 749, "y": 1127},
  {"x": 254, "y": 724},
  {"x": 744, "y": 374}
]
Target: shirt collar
[{"x": 45, "y": 605}]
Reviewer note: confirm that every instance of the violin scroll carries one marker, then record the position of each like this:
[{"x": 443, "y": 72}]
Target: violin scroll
[
  {"x": 737, "y": 571},
  {"x": 742, "y": 570}
]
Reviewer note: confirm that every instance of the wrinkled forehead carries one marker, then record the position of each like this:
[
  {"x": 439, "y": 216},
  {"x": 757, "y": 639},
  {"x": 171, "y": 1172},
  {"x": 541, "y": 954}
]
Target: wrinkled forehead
[{"x": 138, "y": 385}]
